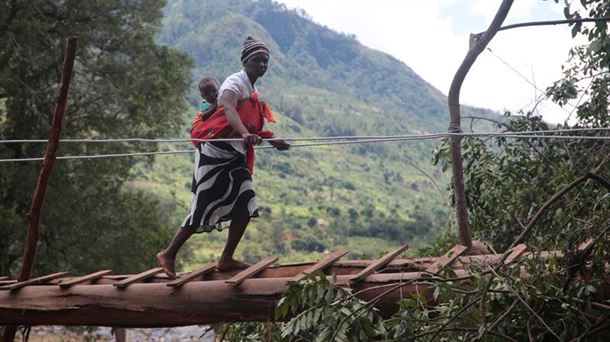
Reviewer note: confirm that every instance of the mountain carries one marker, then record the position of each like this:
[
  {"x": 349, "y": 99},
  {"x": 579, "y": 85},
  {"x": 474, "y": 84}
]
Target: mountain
[{"x": 367, "y": 197}]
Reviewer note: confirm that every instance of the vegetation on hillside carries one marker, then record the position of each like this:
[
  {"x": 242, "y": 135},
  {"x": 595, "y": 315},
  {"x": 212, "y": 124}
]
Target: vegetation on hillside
[
  {"x": 320, "y": 83},
  {"x": 366, "y": 197},
  {"x": 124, "y": 85}
]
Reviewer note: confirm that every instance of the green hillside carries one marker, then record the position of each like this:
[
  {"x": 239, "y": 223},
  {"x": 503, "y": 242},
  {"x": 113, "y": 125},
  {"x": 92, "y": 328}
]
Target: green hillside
[{"x": 367, "y": 197}]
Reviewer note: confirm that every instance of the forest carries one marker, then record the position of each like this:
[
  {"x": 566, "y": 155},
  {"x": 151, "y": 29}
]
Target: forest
[{"x": 135, "y": 75}]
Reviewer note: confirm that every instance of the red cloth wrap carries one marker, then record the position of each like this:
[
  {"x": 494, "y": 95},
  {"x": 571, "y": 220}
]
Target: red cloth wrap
[{"x": 252, "y": 113}]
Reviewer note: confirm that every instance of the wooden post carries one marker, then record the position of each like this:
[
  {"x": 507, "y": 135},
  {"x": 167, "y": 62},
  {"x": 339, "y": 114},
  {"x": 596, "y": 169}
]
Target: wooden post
[
  {"x": 43, "y": 178},
  {"x": 49, "y": 160},
  {"x": 477, "y": 46},
  {"x": 120, "y": 334},
  {"x": 47, "y": 166}
]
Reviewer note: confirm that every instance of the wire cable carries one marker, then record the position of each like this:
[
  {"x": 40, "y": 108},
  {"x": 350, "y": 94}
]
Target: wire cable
[
  {"x": 345, "y": 137},
  {"x": 543, "y": 93},
  {"x": 336, "y": 142}
]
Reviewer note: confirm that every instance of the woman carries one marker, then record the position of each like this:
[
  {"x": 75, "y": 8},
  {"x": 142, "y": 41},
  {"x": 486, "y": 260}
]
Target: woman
[{"x": 222, "y": 186}]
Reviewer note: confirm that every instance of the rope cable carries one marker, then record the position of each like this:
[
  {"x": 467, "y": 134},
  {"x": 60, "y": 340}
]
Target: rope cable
[
  {"x": 342, "y": 141},
  {"x": 345, "y": 137}
]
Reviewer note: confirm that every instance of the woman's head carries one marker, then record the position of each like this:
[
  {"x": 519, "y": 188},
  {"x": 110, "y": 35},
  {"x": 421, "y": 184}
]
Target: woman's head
[{"x": 255, "y": 57}]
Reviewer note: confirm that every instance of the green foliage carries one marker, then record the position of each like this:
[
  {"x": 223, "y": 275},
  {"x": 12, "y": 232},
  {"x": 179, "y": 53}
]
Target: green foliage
[
  {"x": 588, "y": 75},
  {"x": 124, "y": 85},
  {"x": 503, "y": 305},
  {"x": 552, "y": 302},
  {"x": 508, "y": 180},
  {"x": 321, "y": 311},
  {"x": 444, "y": 242},
  {"x": 248, "y": 331}
]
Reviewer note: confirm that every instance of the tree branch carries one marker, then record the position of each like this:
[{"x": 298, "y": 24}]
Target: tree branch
[
  {"x": 454, "y": 126},
  {"x": 527, "y": 306},
  {"x": 552, "y": 22}
]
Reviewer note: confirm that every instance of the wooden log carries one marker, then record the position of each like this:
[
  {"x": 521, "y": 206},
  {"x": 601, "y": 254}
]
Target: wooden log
[
  {"x": 251, "y": 271},
  {"x": 155, "y": 304},
  {"x": 83, "y": 279},
  {"x": 4, "y": 278},
  {"x": 492, "y": 259},
  {"x": 331, "y": 258},
  {"x": 197, "y": 302}
]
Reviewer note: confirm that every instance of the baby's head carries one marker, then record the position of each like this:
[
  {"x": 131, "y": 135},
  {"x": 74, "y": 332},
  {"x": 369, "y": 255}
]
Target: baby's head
[{"x": 208, "y": 88}]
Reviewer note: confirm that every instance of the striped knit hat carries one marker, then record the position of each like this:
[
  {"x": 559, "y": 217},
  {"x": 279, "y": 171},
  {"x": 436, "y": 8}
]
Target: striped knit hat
[{"x": 252, "y": 47}]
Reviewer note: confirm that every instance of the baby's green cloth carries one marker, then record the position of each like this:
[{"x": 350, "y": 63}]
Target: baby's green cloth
[{"x": 204, "y": 106}]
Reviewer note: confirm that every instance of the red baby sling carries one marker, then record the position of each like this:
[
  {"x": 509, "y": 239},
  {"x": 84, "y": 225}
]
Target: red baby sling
[{"x": 252, "y": 113}]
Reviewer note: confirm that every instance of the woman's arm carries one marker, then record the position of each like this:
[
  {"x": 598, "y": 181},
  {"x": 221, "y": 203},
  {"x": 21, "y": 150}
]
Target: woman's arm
[
  {"x": 229, "y": 100},
  {"x": 206, "y": 115}
]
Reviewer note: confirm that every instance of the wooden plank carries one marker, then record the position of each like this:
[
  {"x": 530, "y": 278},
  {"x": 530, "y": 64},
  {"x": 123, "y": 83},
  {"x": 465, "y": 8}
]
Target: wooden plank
[
  {"x": 329, "y": 260},
  {"x": 250, "y": 271},
  {"x": 447, "y": 259},
  {"x": 6, "y": 282},
  {"x": 379, "y": 263},
  {"x": 4, "y": 278},
  {"x": 516, "y": 253},
  {"x": 586, "y": 244},
  {"x": 80, "y": 280},
  {"x": 137, "y": 277},
  {"x": 191, "y": 276},
  {"x": 33, "y": 281}
]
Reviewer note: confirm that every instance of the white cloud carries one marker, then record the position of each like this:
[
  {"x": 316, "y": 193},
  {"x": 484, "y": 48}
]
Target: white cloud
[{"x": 416, "y": 33}]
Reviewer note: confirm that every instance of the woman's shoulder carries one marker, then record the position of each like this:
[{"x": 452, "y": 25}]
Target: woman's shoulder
[
  {"x": 236, "y": 82},
  {"x": 238, "y": 77}
]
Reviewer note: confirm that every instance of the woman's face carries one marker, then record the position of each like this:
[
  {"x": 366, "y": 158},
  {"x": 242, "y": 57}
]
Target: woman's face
[{"x": 257, "y": 64}]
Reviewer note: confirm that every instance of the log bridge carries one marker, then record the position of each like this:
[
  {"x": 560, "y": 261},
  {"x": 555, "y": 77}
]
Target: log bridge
[{"x": 206, "y": 296}]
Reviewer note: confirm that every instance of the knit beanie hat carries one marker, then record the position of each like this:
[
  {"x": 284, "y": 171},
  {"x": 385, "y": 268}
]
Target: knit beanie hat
[{"x": 252, "y": 47}]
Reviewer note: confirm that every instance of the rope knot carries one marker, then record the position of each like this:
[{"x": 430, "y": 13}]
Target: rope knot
[{"x": 455, "y": 128}]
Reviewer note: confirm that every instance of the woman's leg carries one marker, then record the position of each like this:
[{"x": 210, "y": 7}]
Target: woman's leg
[
  {"x": 167, "y": 256},
  {"x": 236, "y": 231}
]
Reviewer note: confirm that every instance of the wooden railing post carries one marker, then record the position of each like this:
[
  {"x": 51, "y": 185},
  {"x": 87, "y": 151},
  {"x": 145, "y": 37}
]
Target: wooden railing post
[
  {"x": 47, "y": 164},
  {"x": 29, "y": 250}
]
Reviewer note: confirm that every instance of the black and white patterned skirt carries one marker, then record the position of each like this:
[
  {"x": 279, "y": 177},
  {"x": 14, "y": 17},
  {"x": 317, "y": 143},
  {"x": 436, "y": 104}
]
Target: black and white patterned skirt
[{"x": 222, "y": 188}]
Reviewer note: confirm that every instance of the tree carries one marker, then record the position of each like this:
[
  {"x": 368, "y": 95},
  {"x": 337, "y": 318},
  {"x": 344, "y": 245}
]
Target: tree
[
  {"x": 508, "y": 180},
  {"x": 557, "y": 190},
  {"x": 124, "y": 85}
]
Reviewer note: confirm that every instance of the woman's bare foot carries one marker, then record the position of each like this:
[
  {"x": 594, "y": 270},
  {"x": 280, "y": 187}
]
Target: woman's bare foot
[
  {"x": 167, "y": 263},
  {"x": 231, "y": 264}
]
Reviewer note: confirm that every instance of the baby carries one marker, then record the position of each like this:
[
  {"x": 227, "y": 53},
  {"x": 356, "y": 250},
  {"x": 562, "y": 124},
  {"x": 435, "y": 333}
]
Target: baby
[{"x": 208, "y": 88}]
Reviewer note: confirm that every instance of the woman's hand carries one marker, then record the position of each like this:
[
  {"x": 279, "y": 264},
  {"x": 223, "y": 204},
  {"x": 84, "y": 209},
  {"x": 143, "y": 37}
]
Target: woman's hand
[
  {"x": 280, "y": 144},
  {"x": 251, "y": 139}
]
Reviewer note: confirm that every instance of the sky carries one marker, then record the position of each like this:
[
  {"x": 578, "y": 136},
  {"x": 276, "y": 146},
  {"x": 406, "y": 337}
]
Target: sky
[{"x": 431, "y": 37}]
